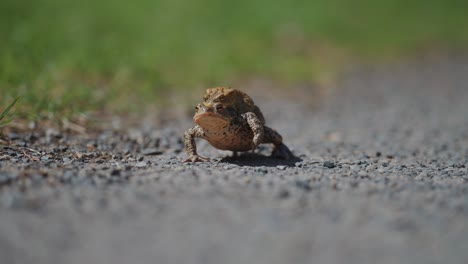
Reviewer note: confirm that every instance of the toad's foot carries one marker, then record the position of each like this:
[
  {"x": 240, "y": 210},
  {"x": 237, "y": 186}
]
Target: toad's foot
[
  {"x": 190, "y": 147},
  {"x": 196, "y": 158},
  {"x": 282, "y": 152}
]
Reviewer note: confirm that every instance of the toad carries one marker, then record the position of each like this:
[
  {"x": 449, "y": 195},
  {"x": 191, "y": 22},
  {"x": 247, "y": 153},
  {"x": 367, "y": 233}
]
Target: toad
[{"x": 229, "y": 120}]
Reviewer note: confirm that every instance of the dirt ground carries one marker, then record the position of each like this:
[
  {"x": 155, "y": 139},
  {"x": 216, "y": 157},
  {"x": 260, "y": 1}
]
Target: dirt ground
[{"x": 380, "y": 177}]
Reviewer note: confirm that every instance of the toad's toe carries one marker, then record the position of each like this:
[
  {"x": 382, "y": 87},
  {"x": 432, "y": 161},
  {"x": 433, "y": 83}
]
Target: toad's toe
[
  {"x": 196, "y": 158},
  {"x": 282, "y": 152}
]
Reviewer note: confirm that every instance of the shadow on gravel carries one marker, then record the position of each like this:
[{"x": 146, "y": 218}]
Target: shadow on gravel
[{"x": 254, "y": 159}]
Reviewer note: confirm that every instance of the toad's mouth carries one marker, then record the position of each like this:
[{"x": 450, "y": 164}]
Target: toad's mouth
[{"x": 209, "y": 119}]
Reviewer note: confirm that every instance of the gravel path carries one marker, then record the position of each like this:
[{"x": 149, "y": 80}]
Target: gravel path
[{"x": 381, "y": 177}]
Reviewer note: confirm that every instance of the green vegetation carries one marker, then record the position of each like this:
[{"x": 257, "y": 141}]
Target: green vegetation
[
  {"x": 65, "y": 56},
  {"x": 5, "y": 112}
]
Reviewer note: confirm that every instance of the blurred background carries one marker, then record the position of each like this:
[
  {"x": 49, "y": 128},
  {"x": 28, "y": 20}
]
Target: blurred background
[{"x": 65, "y": 56}]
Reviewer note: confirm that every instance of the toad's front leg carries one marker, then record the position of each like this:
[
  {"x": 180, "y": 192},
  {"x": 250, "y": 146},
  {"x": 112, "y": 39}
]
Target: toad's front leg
[
  {"x": 257, "y": 128},
  {"x": 190, "y": 146}
]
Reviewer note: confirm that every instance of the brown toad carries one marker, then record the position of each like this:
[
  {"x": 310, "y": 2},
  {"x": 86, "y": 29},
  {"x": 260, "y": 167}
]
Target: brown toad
[{"x": 229, "y": 120}]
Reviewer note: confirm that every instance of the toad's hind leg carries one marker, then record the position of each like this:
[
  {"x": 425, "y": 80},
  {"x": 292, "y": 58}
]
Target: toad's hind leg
[{"x": 281, "y": 150}]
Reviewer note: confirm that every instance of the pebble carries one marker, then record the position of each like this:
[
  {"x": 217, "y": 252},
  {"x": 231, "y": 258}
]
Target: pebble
[
  {"x": 115, "y": 172},
  {"x": 363, "y": 174},
  {"x": 262, "y": 169},
  {"x": 381, "y": 170},
  {"x": 141, "y": 164},
  {"x": 329, "y": 164},
  {"x": 151, "y": 151},
  {"x": 281, "y": 167}
]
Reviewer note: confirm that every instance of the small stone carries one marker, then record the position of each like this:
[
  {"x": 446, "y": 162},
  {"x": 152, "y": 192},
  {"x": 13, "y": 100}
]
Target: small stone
[
  {"x": 141, "y": 164},
  {"x": 115, "y": 172},
  {"x": 262, "y": 169},
  {"x": 52, "y": 133},
  {"x": 363, "y": 174},
  {"x": 347, "y": 161},
  {"x": 281, "y": 167},
  {"x": 299, "y": 164},
  {"x": 381, "y": 170},
  {"x": 329, "y": 164},
  {"x": 151, "y": 151}
]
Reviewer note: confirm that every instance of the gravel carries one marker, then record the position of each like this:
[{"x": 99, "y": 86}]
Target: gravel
[
  {"x": 329, "y": 164},
  {"x": 380, "y": 177}
]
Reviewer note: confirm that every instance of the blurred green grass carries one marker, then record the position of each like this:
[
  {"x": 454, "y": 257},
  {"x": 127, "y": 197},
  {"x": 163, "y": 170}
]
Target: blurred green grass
[{"x": 66, "y": 56}]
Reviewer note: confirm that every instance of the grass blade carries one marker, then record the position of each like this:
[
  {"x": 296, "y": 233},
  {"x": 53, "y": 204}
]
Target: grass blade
[
  {"x": 6, "y": 122},
  {"x": 5, "y": 112}
]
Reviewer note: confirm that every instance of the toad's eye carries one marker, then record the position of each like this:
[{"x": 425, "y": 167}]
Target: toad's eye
[{"x": 219, "y": 107}]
